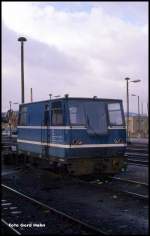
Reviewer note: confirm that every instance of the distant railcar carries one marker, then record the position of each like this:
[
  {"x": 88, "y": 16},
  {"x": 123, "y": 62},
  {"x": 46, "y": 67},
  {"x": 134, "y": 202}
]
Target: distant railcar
[{"x": 84, "y": 135}]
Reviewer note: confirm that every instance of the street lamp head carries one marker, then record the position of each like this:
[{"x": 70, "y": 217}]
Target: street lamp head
[
  {"x": 66, "y": 95},
  {"x": 133, "y": 95},
  {"x": 127, "y": 78},
  {"x": 136, "y": 81},
  {"x": 22, "y": 39}
]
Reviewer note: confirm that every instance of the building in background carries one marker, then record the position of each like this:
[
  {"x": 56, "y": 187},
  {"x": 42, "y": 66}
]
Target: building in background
[
  {"x": 13, "y": 120},
  {"x": 138, "y": 126},
  {"x": 4, "y": 121},
  {"x": 10, "y": 119}
]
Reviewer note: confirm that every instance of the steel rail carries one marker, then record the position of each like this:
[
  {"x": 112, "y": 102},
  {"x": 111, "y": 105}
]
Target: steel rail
[
  {"x": 10, "y": 227},
  {"x": 136, "y": 154},
  {"x": 144, "y": 197},
  {"x": 137, "y": 149},
  {"x": 129, "y": 181},
  {"x": 140, "y": 158},
  {"x": 70, "y": 218},
  {"x": 134, "y": 164},
  {"x": 138, "y": 162}
]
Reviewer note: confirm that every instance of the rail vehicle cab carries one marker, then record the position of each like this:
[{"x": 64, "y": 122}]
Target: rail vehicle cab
[
  {"x": 98, "y": 135},
  {"x": 86, "y": 135}
]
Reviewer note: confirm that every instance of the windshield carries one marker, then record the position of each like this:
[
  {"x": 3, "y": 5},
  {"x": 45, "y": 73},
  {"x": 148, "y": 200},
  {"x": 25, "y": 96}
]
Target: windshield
[
  {"x": 92, "y": 114},
  {"x": 115, "y": 114}
]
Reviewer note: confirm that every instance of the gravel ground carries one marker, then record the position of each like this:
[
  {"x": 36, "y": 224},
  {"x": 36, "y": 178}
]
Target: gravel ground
[
  {"x": 29, "y": 218},
  {"x": 136, "y": 173},
  {"x": 111, "y": 211}
]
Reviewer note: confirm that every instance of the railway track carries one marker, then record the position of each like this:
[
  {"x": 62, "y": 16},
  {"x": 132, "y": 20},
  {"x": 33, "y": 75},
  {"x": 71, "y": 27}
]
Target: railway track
[
  {"x": 93, "y": 180},
  {"x": 128, "y": 181},
  {"x": 137, "y": 150},
  {"x": 7, "y": 229},
  {"x": 140, "y": 162},
  {"x": 83, "y": 229},
  {"x": 137, "y": 154},
  {"x": 27, "y": 209},
  {"x": 105, "y": 181}
]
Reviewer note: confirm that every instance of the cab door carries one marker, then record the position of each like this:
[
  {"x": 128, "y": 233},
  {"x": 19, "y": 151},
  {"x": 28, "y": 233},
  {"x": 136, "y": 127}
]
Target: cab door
[{"x": 57, "y": 129}]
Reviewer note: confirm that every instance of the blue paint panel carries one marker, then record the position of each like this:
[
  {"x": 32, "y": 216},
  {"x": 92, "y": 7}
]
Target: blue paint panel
[
  {"x": 56, "y": 136},
  {"x": 35, "y": 113},
  {"x": 57, "y": 152},
  {"x": 33, "y": 148},
  {"x": 29, "y": 134},
  {"x": 83, "y": 136},
  {"x": 67, "y": 136},
  {"x": 30, "y": 148}
]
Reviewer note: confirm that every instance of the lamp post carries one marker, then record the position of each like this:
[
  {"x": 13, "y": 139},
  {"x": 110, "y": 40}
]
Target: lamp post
[
  {"x": 22, "y": 40},
  {"x": 142, "y": 108},
  {"x": 50, "y": 96},
  {"x": 139, "y": 128},
  {"x": 127, "y": 95},
  {"x": 10, "y": 102},
  {"x": 31, "y": 95}
]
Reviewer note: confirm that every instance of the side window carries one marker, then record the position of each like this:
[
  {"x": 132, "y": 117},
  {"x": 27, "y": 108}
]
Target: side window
[
  {"x": 115, "y": 115},
  {"x": 77, "y": 114},
  {"x": 23, "y": 116},
  {"x": 57, "y": 114}
]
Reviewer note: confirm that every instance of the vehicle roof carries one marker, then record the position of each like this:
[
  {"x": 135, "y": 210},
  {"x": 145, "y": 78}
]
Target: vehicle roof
[{"x": 75, "y": 98}]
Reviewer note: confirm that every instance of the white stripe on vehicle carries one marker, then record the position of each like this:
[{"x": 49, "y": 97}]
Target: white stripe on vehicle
[
  {"x": 71, "y": 146},
  {"x": 64, "y": 127},
  {"x": 51, "y": 127},
  {"x": 116, "y": 127}
]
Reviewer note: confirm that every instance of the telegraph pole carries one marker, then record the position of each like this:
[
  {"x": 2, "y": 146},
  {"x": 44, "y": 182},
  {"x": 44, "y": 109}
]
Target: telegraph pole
[
  {"x": 10, "y": 102},
  {"x": 142, "y": 108},
  {"x": 134, "y": 81},
  {"x": 127, "y": 79},
  {"x": 139, "y": 114},
  {"x": 22, "y": 40},
  {"x": 31, "y": 94},
  {"x": 10, "y": 116}
]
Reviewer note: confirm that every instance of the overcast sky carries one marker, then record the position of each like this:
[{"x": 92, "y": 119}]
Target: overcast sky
[{"x": 77, "y": 48}]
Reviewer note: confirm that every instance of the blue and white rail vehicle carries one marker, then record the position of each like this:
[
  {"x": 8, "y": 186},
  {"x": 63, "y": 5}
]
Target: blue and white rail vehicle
[{"x": 84, "y": 135}]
